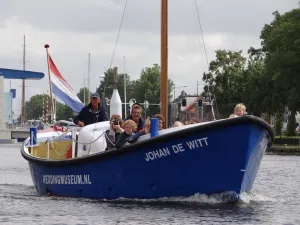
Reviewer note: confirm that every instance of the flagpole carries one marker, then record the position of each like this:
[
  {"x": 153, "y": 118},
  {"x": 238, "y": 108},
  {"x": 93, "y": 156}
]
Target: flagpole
[{"x": 50, "y": 84}]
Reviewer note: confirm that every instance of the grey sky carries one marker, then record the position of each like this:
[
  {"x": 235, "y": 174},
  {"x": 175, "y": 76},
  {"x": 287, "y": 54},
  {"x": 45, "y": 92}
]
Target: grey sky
[{"x": 74, "y": 29}]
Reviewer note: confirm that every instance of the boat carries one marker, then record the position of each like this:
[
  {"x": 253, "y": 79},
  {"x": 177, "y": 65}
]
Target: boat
[{"x": 204, "y": 158}]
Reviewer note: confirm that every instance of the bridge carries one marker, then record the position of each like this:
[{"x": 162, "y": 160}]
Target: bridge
[
  {"x": 13, "y": 74},
  {"x": 6, "y": 135},
  {"x": 13, "y": 135}
]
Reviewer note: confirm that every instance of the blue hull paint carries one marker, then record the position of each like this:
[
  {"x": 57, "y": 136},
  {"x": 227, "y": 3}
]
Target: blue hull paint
[{"x": 225, "y": 158}]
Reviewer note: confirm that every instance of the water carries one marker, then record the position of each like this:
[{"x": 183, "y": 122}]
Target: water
[{"x": 275, "y": 199}]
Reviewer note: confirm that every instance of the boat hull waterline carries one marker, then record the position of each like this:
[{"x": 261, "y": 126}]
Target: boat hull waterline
[{"x": 217, "y": 157}]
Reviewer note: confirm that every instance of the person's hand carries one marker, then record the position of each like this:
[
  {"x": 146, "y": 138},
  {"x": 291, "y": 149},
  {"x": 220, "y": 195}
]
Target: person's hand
[
  {"x": 80, "y": 124},
  {"x": 117, "y": 128}
]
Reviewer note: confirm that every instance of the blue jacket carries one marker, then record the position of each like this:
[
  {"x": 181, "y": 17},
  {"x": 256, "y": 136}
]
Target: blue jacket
[
  {"x": 140, "y": 125},
  {"x": 88, "y": 117}
]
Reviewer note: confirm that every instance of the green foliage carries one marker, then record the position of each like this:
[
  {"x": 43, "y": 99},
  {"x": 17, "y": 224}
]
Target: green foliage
[
  {"x": 147, "y": 87},
  {"x": 281, "y": 43},
  {"x": 83, "y": 95},
  {"x": 63, "y": 112},
  {"x": 279, "y": 123},
  {"x": 225, "y": 77},
  {"x": 34, "y": 108},
  {"x": 106, "y": 87}
]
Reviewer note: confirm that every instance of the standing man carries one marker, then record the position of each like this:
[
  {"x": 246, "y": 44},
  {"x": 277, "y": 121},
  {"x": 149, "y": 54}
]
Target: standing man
[{"x": 94, "y": 112}]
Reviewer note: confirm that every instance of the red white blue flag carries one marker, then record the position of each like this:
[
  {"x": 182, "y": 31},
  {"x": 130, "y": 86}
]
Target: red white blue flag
[{"x": 62, "y": 89}]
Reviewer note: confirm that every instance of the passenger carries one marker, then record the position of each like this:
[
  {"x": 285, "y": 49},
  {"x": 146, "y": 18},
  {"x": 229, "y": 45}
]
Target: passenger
[
  {"x": 239, "y": 110},
  {"x": 161, "y": 121},
  {"x": 146, "y": 127},
  {"x": 94, "y": 112},
  {"x": 193, "y": 121},
  {"x": 129, "y": 127},
  {"x": 178, "y": 124},
  {"x": 136, "y": 116},
  {"x": 114, "y": 132}
]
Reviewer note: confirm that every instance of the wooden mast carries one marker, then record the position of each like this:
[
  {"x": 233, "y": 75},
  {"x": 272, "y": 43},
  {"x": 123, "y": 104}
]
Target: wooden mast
[{"x": 164, "y": 62}]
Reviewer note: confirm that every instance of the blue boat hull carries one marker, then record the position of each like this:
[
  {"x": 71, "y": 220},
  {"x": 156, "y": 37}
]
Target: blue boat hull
[{"x": 213, "y": 158}]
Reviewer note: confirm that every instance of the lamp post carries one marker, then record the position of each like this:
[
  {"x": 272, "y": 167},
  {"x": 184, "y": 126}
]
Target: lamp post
[
  {"x": 174, "y": 88},
  {"x": 84, "y": 89},
  {"x": 198, "y": 83}
]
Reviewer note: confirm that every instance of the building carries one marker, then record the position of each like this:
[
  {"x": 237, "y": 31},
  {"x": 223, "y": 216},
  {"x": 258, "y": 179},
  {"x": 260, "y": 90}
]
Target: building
[{"x": 8, "y": 106}]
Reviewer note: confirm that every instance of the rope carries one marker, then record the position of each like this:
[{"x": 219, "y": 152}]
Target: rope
[
  {"x": 113, "y": 55},
  {"x": 204, "y": 46},
  {"x": 111, "y": 61},
  {"x": 52, "y": 144},
  {"x": 48, "y": 139},
  {"x": 84, "y": 143},
  {"x": 201, "y": 32}
]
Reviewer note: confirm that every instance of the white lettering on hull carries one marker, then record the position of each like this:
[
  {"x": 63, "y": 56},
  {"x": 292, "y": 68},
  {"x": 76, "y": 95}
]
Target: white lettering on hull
[
  {"x": 175, "y": 149},
  {"x": 67, "y": 179}
]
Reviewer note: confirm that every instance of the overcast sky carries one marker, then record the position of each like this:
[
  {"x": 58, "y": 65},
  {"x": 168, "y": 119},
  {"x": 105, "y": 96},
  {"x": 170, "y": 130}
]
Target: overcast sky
[{"x": 74, "y": 29}]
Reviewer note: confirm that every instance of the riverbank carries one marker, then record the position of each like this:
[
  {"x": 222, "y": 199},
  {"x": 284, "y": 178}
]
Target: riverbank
[{"x": 285, "y": 149}]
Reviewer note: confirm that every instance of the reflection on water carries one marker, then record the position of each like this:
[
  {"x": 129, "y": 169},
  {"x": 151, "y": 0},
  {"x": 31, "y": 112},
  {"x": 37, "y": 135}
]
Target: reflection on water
[{"x": 275, "y": 199}]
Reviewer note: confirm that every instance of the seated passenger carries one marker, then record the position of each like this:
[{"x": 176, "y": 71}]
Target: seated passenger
[
  {"x": 194, "y": 121},
  {"x": 146, "y": 127},
  {"x": 129, "y": 126},
  {"x": 178, "y": 124},
  {"x": 136, "y": 116},
  {"x": 239, "y": 110},
  {"x": 114, "y": 131},
  {"x": 161, "y": 121}
]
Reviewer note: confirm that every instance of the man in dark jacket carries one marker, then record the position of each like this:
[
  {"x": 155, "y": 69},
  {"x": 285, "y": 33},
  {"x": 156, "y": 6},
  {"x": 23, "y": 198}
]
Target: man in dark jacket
[
  {"x": 136, "y": 116},
  {"x": 94, "y": 112}
]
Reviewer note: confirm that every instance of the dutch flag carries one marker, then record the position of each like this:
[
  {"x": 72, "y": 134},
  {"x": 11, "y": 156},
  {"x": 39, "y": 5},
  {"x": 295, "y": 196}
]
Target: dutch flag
[{"x": 62, "y": 89}]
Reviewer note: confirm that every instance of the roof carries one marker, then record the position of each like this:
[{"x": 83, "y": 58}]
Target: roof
[{"x": 21, "y": 74}]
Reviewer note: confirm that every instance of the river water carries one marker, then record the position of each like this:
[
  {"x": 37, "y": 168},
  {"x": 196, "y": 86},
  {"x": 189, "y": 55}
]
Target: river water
[{"x": 275, "y": 199}]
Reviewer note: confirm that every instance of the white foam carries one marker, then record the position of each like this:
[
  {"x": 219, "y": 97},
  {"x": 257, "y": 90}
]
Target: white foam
[
  {"x": 224, "y": 197},
  {"x": 256, "y": 197}
]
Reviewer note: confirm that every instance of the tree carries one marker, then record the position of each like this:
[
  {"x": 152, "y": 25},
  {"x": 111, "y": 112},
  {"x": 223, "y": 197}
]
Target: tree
[
  {"x": 147, "y": 87},
  {"x": 281, "y": 43},
  {"x": 84, "y": 93},
  {"x": 106, "y": 87},
  {"x": 63, "y": 112},
  {"x": 225, "y": 80},
  {"x": 258, "y": 90},
  {"x": 34, "y": 107}
]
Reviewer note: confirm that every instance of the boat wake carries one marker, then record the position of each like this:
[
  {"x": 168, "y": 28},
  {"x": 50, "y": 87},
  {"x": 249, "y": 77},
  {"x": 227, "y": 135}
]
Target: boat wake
[
  {"x": 20, "y": 191},
  {"x": 220, "y": 198},
  {"x": 257, "y": 198}
]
